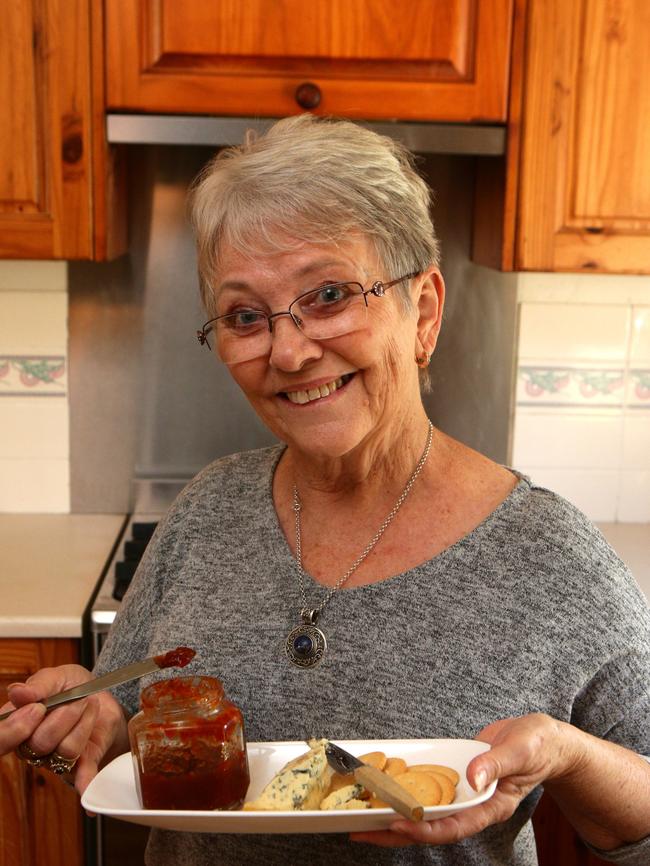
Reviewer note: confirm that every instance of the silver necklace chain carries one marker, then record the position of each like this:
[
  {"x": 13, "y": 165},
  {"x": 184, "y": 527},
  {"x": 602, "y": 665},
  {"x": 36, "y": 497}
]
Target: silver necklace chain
[{"x": 373, "y": 541}]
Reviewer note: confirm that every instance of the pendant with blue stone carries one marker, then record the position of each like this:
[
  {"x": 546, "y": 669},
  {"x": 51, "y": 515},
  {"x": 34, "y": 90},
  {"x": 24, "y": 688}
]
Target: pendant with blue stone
[{"x": 306, "y": 644}]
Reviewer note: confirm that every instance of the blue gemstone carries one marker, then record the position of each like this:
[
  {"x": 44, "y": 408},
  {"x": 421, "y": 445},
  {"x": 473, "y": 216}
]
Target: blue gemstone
[{"x": 303, "y": 645}]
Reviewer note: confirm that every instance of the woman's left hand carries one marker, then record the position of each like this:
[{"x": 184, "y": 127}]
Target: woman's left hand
[{"x": 525, "y": 752}]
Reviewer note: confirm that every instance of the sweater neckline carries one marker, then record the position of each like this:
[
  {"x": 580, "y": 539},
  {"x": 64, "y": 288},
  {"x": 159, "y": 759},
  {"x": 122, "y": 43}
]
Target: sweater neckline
[{"x": 285, "y": 558}]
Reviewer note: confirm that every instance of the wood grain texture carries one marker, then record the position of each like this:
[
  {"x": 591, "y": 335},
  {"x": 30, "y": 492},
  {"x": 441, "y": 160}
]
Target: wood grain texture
[
  {"x": 53, "y": 154},
  {"x": 557, "y": 842},
  {"x": 40, "y": 816},
  {"x": 584, "y": 200},
  {"x": 429, "y": 59},
  {"x": 109, "y": 174},
  {"x": 497, "y": 178}
]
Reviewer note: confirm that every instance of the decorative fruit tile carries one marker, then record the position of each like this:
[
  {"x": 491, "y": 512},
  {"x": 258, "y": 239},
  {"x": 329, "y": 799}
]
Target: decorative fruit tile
[
  {"x": 547, "y": 385},
  {"x": 638, "y": 389},
  {"x": 22, "y": 375}
]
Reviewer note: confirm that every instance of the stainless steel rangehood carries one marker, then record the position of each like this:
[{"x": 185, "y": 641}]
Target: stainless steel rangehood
[{"x": 443, "y": 138}]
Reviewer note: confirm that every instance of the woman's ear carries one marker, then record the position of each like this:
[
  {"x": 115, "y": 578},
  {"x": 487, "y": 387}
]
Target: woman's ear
[{"x": 429, "y": 301}]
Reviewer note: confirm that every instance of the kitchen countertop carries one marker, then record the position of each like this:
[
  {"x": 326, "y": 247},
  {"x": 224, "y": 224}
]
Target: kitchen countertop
[{"x": 49, "y": 566}]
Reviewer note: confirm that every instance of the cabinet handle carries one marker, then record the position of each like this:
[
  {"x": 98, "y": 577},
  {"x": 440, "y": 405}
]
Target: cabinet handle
[{"x": 308, "y": 95}]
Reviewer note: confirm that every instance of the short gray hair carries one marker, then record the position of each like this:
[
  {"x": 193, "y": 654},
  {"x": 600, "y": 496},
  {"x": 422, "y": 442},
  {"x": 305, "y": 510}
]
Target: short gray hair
[{"x": 316, "y": 179}]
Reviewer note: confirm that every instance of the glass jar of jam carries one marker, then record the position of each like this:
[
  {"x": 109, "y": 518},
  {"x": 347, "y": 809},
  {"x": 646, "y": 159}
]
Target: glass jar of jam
[{"x": 188, "y": 746}]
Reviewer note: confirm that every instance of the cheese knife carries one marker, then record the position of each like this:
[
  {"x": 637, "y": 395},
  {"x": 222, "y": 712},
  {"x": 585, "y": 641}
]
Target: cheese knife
[
  {"x": 380, "y": 784},
  {"x": 176, "y": 658}
]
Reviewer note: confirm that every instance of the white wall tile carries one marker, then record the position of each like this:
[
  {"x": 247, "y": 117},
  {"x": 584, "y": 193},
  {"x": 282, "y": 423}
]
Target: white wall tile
[
  {"x": 636, "y": 441},
  {"x": 593, "y": 491},
  {"x": 34, "y": 427},
  {"x": 34, "y": 447},
  {"x": 562, "y": 440},
  {"x": 573, "y": 332},
  {"x": 622, "y": 289},
  {"x": 33, "y": 323},
  {"x": 34, "y": 486},
  {"x": 640, "y": 336},
  {"x": 33, "y": 276},
  {"x": 634, "y": 496}
]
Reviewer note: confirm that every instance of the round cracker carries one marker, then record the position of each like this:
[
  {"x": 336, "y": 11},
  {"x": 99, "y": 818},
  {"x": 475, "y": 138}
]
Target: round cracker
[
  {"x": 422, "y": 786},
  {"x": 376, "y": 803},
  {"x": 337, "y": 782},
  {"x": 447, "y": 787},
  {"x": 374, "y": 759},
  {"x": 395, "y": 766},
  {"x": 437, "y": 768}
]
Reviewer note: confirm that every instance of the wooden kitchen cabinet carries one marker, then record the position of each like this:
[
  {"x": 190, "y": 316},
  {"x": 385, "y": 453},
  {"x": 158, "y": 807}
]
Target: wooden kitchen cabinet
[
  {"x": 60, "y": 186},
  {"x": 40, "y": 816},
  {"x": 574, "y": 192},
  {"x": 444, "y": 60}
]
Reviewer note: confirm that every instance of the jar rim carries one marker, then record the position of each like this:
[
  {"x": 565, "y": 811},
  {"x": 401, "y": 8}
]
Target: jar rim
[{"x": 180, "y": 692}]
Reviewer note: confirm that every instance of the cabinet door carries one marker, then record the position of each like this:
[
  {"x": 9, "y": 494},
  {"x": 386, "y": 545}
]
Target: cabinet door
[
  {"x": 557, "y": 842},
  {"x": 584, "y": 197},
  {"x": 55, "y": 172},
  {"x": 40, "y": 816},
  {"x": 424, "y": 59}
]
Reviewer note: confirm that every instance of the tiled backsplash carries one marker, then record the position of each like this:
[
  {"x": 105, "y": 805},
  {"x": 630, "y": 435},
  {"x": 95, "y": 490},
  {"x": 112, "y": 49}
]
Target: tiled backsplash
[
  {"x": 582, "y": 415},
  {"x": 34, "y": 448}
]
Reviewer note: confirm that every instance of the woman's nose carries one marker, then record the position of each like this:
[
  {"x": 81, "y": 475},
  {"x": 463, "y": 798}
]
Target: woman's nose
[{"x": 291, "y": 349}]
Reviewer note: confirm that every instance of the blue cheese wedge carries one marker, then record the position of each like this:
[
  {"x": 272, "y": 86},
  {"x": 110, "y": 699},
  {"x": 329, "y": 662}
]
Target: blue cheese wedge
[
  {"x": 299, "y": 785},
  {"x": 348, "y": 797}
]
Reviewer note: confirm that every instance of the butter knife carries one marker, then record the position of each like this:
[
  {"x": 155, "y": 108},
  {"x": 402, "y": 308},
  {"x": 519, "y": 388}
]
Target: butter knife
[
  {"x": 172, "y": 659},
  {"x": 380, "y": 784}
]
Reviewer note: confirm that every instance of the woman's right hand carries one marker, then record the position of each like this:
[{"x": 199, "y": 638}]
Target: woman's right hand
[{"x": 92, "y": 729}]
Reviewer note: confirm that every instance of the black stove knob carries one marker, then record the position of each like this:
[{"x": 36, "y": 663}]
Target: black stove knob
[{"x": 142, "y": 531}]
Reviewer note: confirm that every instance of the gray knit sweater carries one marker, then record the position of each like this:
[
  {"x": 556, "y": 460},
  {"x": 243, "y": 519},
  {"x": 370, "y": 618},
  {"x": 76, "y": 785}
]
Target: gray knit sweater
[{"x": 532, "y": 611}]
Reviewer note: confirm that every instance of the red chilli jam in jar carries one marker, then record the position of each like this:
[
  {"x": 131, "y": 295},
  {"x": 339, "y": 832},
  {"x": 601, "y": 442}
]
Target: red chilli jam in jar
[{"x": 188, "y": 746}]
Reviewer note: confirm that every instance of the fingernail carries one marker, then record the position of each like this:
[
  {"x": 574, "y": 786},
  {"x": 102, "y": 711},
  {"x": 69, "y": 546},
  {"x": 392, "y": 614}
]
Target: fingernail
[
  {"x": 13, "y": 685},
  {"x": 480, "y": 781}
]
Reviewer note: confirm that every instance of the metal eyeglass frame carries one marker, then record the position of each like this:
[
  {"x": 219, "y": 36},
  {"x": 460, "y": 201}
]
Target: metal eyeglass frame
[{"x": 378, "y": 289}]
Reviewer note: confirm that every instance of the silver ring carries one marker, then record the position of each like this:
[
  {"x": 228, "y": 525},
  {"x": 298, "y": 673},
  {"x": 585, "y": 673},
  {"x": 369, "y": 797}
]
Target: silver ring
[
  {"x": 27, "y": 754},
  {"x": 58, "y": 764}
]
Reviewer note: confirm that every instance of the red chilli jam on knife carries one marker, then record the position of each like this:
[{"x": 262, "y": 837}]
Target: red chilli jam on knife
[{"x": 176, "y": 658}]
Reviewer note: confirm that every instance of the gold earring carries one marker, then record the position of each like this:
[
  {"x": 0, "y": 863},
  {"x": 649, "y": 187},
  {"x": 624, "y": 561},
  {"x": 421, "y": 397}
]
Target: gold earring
[{"x": 423, "y": 360}]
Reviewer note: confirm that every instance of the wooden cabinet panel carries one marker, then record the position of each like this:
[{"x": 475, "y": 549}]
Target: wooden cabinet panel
[
  {"x": 55, "y": 169},
  {"x": 557, "y": 842},
  {"x": 40, "y": 816},
  {"x": 584, "y": 199},
  {"x": 426, "y": 59},
  {"x": 573, "y": 193}
]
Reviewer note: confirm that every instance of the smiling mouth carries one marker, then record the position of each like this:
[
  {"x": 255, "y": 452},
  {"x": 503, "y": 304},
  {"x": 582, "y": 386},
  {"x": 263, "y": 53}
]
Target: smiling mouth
[{"x": 313, "y": 394}]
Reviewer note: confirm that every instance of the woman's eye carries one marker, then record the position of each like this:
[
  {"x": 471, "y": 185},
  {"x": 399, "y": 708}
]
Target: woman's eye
[
  {"x": 332, "y": 294},
  {"x": 327, "y": 298},
  {"x": 244, "y": 320}
]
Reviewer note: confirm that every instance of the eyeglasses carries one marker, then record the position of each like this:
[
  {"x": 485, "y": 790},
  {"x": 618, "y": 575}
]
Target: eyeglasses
[{"x": 329, "y": 311}]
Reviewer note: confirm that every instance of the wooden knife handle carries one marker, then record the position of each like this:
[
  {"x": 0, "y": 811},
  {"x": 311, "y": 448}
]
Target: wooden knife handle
[{"x": 386, "y": 788}]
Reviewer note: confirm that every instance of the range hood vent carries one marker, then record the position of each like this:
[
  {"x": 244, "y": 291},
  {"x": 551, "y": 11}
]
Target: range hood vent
[{"x": 455, "y": 138}]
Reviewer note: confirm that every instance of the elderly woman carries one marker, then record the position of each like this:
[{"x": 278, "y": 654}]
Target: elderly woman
[{"x": 369, "y": 577}]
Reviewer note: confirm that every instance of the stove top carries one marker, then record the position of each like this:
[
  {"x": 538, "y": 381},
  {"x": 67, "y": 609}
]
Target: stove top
[{"x": 152, "y": 499}]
